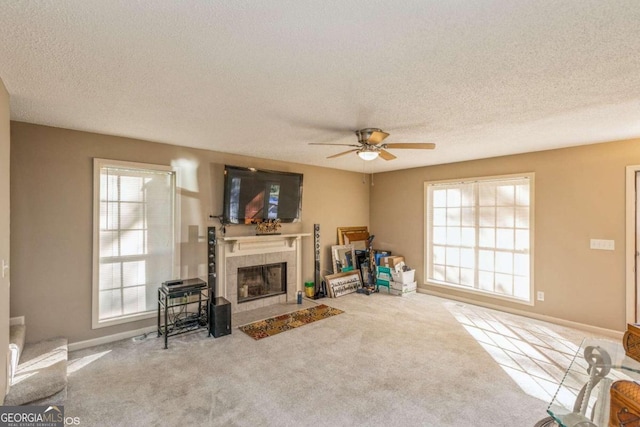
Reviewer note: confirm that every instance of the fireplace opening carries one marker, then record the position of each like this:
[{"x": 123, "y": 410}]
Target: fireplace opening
[{"x": 261, "y": 281}]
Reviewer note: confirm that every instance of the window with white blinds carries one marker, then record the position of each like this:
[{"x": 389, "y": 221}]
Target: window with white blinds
[
  {"x": 134, "y": 239},
  {"x": 478, "y": 235}
]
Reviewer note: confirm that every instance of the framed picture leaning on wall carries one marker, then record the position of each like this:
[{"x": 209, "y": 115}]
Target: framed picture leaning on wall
[{"x": 340, "y": 284}]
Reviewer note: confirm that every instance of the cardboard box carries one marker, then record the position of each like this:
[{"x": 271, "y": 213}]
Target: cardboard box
[
  {"x": 404, "y": 287},
  {"x": 391, "y": 261},
  {"x": 378, "y": 255},
  {"x": 403, "y": 276},
  {"x": 400, "y": 293}
]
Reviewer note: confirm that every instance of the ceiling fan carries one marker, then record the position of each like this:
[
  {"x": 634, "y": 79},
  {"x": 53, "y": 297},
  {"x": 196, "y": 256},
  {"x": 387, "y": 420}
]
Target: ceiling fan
[{"x": 370, "y": 145}]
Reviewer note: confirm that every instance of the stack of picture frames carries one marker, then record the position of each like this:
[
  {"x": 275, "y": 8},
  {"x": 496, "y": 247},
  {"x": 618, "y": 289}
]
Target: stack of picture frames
[
  {"x": 344, "y": 281},
  {"x": 339, "y": 284},
  {"x": 356, "y": 236}
]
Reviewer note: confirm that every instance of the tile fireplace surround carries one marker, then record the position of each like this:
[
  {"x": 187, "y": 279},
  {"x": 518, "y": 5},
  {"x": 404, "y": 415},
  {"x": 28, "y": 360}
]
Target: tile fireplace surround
[{"x": 246, "y": 251}]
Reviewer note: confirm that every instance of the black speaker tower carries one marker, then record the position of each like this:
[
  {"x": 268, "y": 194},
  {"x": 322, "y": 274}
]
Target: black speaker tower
[
  {"x": 320, "y": 288},
  {"x": 219, "y": 308},
  {"x": 211, "y": 261}
]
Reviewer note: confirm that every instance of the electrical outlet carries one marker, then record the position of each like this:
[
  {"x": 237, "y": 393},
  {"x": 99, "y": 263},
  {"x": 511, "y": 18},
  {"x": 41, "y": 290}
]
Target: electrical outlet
[{"x": 540, "y": 296}]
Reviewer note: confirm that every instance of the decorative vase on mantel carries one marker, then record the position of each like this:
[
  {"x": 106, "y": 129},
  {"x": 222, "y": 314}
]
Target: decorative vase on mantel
[{"x": 267, "y": 227}]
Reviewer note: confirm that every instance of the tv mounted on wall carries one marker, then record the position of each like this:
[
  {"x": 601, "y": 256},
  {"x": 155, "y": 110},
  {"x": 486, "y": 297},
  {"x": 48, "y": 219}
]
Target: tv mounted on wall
[{"x": 253, "y": 195}]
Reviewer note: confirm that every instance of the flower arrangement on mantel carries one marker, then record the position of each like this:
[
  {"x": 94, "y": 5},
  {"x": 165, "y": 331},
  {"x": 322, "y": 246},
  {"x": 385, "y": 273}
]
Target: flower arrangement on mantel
[{"x": 268, "y": 226}]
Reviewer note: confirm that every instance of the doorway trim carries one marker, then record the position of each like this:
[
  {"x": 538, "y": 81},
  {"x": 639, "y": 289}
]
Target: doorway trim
[{"x": 630, "y": 243}]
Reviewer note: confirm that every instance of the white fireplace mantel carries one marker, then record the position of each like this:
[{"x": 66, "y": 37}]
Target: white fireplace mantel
[{"x": 246, "y": 245}]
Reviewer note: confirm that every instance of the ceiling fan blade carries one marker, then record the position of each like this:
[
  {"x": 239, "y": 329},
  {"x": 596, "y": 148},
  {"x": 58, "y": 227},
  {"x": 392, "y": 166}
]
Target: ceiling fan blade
[
  {"x": 343, "y": 153},
  {"x": 415, "y": 145},
  {"x": 331, "y": 143},
  {"x": 386, "y": 155},
  {"x": 377, "y": 137}
]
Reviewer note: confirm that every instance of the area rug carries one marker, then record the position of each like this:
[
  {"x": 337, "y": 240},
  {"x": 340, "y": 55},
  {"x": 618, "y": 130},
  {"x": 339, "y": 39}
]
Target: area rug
[{"x": 275, "y": 325}]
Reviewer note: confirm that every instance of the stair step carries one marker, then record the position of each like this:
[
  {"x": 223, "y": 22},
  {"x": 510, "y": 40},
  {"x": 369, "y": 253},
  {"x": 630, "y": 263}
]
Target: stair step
[
  {"x": 16, "y": 344},
  {"x": 16, "y": 336},
  {"x": 41, "y": 376}
]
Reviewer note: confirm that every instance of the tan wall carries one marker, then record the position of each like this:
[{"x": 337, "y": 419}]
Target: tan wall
[
  {"x": 4, "y": 234},
  {"x": 51, "y": 240},
  {"x": 579, "y": 195}
]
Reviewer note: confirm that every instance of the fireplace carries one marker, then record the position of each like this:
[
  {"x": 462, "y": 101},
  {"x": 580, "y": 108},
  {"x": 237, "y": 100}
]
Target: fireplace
[
  {"x": 250, "y": 251},
  {"x": 261, "y": 281}
]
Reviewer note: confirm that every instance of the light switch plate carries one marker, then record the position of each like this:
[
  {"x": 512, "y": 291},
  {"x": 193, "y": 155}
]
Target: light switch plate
[{"x": 602, "y": 245}]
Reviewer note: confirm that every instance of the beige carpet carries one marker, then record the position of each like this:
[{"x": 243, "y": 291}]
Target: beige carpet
[{"x": 387, "y": 360}]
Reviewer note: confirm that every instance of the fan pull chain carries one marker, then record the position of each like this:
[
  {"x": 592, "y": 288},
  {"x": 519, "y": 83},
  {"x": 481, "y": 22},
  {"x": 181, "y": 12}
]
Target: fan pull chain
[{"x": 371, "y": 173}]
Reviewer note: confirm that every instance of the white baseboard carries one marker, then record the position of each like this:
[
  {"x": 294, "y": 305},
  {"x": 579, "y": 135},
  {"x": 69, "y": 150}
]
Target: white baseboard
[
  {"x": 79, "y": 345},
  {"x": 562, "y": 322},
  {"x": 16, "y": 321}
]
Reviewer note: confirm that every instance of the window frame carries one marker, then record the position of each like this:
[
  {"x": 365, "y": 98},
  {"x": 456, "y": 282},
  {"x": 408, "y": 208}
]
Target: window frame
[
  {"x": 98, "y": 164},
  {"x": 427, "y": 260}
]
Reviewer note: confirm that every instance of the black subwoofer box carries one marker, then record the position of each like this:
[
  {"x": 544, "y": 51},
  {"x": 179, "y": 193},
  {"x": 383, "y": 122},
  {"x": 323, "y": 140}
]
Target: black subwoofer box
[{"x": 219, "y": 317}]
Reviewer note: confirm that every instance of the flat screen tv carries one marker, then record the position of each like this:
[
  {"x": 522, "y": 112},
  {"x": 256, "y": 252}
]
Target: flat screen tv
[{"x": 253, "y": 195}]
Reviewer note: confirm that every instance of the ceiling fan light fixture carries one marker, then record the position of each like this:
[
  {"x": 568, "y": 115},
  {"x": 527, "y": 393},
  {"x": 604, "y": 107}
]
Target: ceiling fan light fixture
[
  {"x": 368, "y": 155},
  {"x": 370, "y": 145}
]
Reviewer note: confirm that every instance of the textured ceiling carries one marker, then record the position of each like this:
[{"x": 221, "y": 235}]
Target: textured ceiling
[{"x": 480, "y": 78}]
